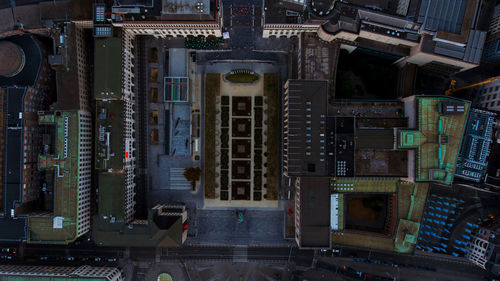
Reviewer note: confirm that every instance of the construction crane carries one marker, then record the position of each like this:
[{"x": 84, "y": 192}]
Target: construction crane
[{"x": 452, "y": 88}]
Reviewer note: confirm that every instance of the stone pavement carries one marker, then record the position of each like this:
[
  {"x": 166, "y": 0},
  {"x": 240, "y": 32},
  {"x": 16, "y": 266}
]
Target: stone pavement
[{"x": 221, "y": 227}]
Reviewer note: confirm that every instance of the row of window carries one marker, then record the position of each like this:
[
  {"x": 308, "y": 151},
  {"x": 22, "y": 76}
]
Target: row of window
[{"x": 490, "y": 104}]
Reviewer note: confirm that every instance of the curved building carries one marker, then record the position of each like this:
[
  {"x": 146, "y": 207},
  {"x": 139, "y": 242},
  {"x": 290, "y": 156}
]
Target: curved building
[{"x": 12, "y": 57}]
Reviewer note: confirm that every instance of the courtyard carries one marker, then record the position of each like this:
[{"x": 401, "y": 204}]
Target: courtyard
[{"x": 237, "y": 136}]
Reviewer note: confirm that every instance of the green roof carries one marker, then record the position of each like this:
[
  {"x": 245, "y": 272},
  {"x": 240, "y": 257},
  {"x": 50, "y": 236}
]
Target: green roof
[
  {"x": 112, "y": 195},
  {"x": 108, "y": 68},
  {"x": 435, "y": 160},
  {"x": 362, "y": 184},
  {"x": 65, "y": 164}
]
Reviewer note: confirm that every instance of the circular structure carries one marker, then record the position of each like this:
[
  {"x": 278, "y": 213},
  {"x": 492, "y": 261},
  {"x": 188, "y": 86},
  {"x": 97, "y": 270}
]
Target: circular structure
[
  {"x": 164, "y": 277},
  {"x": 12, "y": 58},
  {"x": 241, "y": 76},
  {"x": 321, "y": 8}
]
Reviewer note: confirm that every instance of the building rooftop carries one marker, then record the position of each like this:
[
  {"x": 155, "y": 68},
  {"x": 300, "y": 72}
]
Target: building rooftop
[
  {"x": 56, "y": 273},
  {"x": 404, "y": 213},
  {"x": 165, "y": 227},
  {"x": 110, "y": 149},
  {"x": 131, "y": 11},
  {"x": 33, "y": 61},
  {"x": 436, "y": 136},
  {"x": 475, "y": 149},
  {"x": 112, "y": 195},
  {"x": 108, "y": 68},
  {"x": 65, "y": 164},
  {"x": 68, "y": 93},
  {"x": 447, "y": 16},
  {"x": 305, "y": 121},
  {"x": 314, "y": 212},
  {"x": 13, "y": 229}
]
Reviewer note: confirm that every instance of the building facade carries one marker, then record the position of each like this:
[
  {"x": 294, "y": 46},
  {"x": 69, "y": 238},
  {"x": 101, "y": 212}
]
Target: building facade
[
  {"x": 487, "y": 96},
  {"x": 491, "y": 51},
  {"x": 483, "y": 249},
  {"x": 33, "y": 273},
  {"x": 445, "y": 38}
]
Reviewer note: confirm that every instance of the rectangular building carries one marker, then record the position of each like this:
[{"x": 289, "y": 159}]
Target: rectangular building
[
  {"x": 304, "y": 128},
  {"x": 67, "y": 166},
  {"x": 472, "y": 160},
  {"x": 312, "y": 212},
  {"x": 115, "y": 123},
  {"x": 435, "y": 135},
  {"x": 59, "y": 273}
]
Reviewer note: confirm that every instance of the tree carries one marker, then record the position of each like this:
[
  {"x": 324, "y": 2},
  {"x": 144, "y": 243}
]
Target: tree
[{"x": 192, "y": 174}]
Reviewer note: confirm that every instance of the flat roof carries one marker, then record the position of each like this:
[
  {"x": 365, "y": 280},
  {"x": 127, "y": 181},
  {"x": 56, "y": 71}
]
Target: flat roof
[
  {"x": 145, "y": 233},
  {"x": 66, "y": 165},
  {"x": 68, "y": 87},
  {"x": 436, "y": 138},
  {"x": 108, "y": 68},
  {"x": 306, "y": 127},
  {"x": 204, "y": 11},
  {"x": 111, "y": 195},
  {"x": 315, "y": 212},
  {"x": 375, "y": 138},
  {"x": 478, "y": 136},
  {"x": 13, "y": 229},
  {"x": 110, "y": 152},
  {"x": 185, "y": 7}
]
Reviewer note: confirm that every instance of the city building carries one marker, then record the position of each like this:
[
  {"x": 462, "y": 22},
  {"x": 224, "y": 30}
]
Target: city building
[
  {"x": 304, "y": 128},
  {"x": 312, "y": 220},
  {"x": 483, "y": 249},
  {"x": 473, "y": 158},
  {"x": 115, "y": 124},
  {"x": 442, "y": 36},
  {"x": 165, "y": 226},
  {"x": 60, "y": 273},
  {"x": 491, "y": 52},
  {"x": 25, "y": 91},
  {"x": 71, "y": 63},
  {"x": 166, "y": 18},
  {"x": 378, "y": 161},
  {"x": 436, "y": 129},
  {"x": 66, "y": 162},
  {"x": 115, "y": 156},
  {"x": 487, "y": 96}
]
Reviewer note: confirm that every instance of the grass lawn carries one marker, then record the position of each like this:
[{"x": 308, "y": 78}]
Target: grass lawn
[
  {"x": 212, "y": 89},
  {"x": 242, "y": 77},
  {"x": 271, "y": 91}
]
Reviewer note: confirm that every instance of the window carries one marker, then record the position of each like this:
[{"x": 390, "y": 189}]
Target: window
[
  {"x": 494, "y": 96},
  {"x": 498, "y": 103},
  {"x": 489, "y": 97},
  {"x": 496, "y": 88}
]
